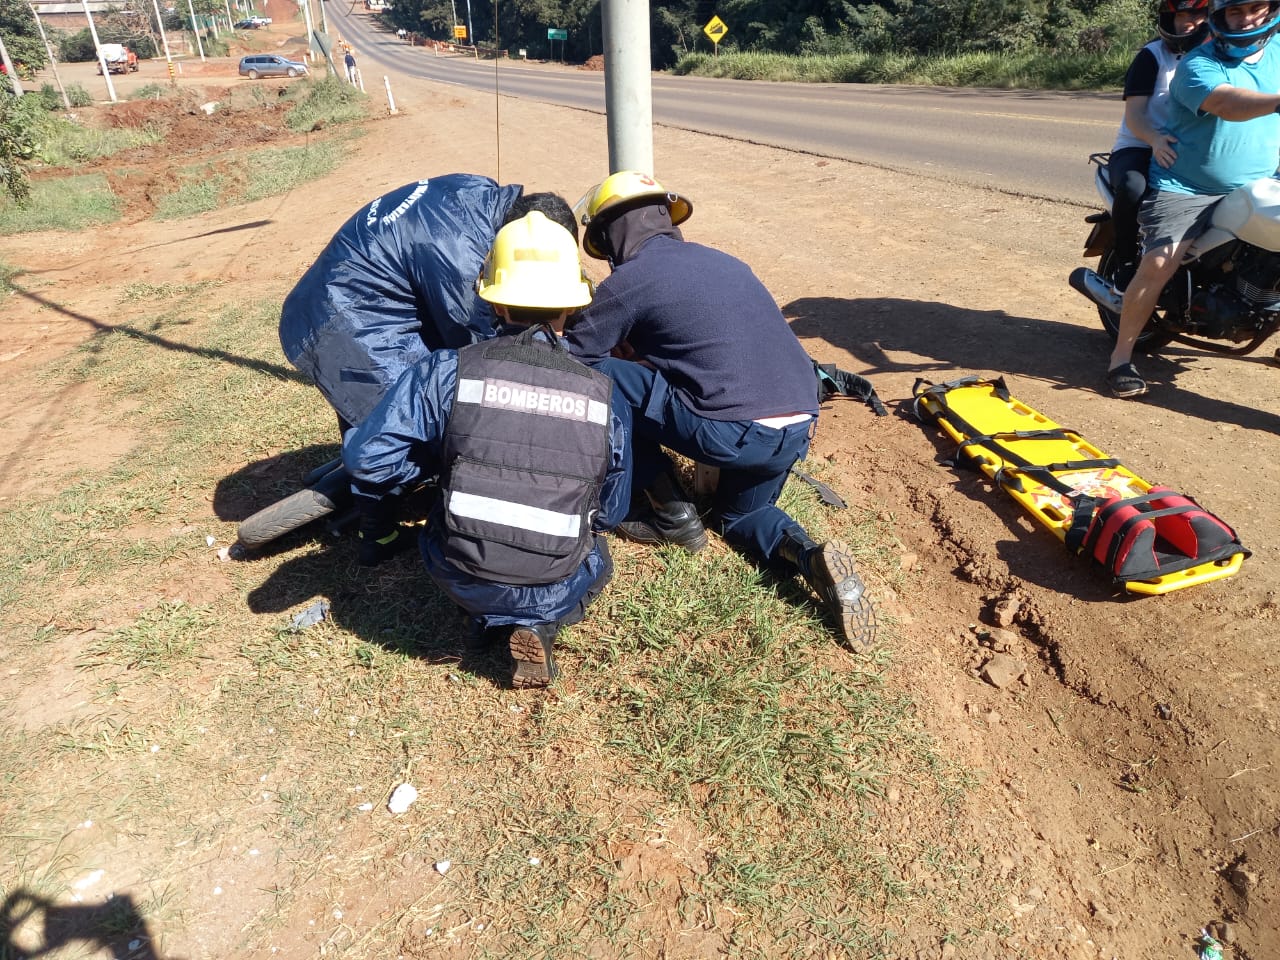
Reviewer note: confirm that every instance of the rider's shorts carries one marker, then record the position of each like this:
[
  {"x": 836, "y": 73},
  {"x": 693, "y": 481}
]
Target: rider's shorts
[{"x": 1167, "y": 218}]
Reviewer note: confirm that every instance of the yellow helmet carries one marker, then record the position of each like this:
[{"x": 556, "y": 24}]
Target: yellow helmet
[
  {"x": 534, "y": 263},
  {"x": 616, "y": 192}
]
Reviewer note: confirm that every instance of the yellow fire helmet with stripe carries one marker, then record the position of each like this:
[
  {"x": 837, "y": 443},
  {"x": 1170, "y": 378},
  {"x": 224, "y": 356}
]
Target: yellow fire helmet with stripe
[
  {"x": 534, "y": 263},
  {"x": 617, "y": 193}
]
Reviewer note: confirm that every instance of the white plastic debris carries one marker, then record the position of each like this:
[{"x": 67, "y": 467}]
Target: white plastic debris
[
  {"x": 209, "y": 541},
  {"x": 402, "y": 798},
  {"x": 89, "y": 879},
  {"x": 224, "y": 554},
  {"x": 535, "y": 862},
  {"x": 365, "y": 807},
  {"x": 442, "y": 866}
]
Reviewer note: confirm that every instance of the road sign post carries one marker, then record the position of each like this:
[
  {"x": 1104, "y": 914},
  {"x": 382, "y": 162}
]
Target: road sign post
[
  {"x": 715, "y": 31},
  {"x": 554, "y": 34}
]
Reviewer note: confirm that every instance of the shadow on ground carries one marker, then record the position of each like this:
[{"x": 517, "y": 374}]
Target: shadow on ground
[
  {"x": 34, "y": 926},
  {"x": 953, "y": 342}
]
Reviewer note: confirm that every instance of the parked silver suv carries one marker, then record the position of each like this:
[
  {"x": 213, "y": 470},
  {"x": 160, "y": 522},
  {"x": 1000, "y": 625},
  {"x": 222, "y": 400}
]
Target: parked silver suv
[{"x": 270, "y": 65}]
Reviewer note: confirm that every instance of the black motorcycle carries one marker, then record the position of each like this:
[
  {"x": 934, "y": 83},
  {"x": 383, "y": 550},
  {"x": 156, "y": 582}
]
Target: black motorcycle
[{"x": 1225, "y": 297}]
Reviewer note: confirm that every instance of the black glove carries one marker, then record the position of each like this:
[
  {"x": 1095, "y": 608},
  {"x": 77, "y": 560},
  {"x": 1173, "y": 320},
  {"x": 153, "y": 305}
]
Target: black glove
[
  {"x": 375, "y": 549},
  {"x": 381, "y": 537}
]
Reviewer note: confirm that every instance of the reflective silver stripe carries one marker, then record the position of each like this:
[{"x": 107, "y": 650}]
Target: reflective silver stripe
[
  {"x": 517, "y": 515},
  {"x": 470, "y": 391},
  {"x": 597, "y": 412}
]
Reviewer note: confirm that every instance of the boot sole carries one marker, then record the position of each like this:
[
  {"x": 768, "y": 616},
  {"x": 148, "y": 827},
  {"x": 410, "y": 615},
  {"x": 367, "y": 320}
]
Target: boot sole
[
  {"x": 856, "y": 617},
  {"x": 535, "y": 667}
]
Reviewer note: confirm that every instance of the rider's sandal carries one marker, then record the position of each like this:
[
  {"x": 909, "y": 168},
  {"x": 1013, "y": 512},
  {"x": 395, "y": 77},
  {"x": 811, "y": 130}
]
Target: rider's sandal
[{"x": 1125, "y": 381}]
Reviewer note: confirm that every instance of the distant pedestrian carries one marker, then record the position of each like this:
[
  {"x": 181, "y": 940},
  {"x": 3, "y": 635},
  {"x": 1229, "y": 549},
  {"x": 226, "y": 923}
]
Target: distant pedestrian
[{"x": 350, "y": 61}]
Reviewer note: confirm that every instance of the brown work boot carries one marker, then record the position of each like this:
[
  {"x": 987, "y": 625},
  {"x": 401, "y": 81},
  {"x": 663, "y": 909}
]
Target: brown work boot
[
  {"x": 531, "y": 650},
  {"x": 828, "y": 568}
]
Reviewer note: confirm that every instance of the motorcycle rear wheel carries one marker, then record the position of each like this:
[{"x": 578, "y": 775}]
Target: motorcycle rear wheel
[
  {"x": 1153, "y": 338},
  {"x": 329, "y": 494}
]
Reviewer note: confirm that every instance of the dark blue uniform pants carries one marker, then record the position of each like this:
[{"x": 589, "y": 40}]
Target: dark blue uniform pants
[{"x": 754, "y": 460}]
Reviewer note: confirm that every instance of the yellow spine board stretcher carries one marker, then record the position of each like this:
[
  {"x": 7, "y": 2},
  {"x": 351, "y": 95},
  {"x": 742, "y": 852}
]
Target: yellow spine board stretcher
[{"x": 1057, "y": 476}]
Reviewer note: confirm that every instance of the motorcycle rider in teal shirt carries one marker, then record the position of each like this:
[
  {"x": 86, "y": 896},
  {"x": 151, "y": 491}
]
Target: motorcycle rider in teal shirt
[{"x": 1216, "y": 87}]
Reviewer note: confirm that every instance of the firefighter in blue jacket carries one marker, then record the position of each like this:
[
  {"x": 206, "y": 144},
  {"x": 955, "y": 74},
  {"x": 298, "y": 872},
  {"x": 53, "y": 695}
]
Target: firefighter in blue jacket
[
  {"x": 723, "y": 381},
  {"x": 398, "y": 281},
  {"x": 532, "y": 451}
]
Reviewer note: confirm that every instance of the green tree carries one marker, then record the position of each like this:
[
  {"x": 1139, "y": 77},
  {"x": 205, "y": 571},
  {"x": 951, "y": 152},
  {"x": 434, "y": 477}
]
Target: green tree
[
  {"x": 17, "y": 144},
  {"x": 21, "y": 36}
]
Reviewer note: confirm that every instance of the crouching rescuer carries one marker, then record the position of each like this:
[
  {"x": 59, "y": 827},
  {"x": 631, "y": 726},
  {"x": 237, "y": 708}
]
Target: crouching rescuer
[
  {"x": 722, "y": 380},
  {"x": 532, "y": 452}
]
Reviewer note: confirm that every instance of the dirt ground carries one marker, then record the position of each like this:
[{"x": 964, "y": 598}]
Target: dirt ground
[{"x": 1126, "y": 785}]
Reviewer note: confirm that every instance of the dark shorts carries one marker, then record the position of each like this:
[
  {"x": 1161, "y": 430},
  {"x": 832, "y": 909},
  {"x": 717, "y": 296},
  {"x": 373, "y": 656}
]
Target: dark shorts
[{"x": 1167, "y": 218}]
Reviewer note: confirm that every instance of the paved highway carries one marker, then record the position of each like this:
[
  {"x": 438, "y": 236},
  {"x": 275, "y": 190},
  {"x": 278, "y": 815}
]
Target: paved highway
[{"x": 1034, "y": 143}]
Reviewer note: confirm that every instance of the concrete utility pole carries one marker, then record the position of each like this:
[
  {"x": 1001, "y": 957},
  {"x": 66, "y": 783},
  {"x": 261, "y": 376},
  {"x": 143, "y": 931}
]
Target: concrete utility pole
[
  {"x": 195, "y": 28},
  {"x": 97, "y": 46},
  {"x": 628, "y": 91},
  {"x": 306, "y": 16},
  {"x": 10, "y": 72},
  {"x": 471, "y": 34},
  {"x": 53, "y": 61},
  {"x": 164, "y": 37}
]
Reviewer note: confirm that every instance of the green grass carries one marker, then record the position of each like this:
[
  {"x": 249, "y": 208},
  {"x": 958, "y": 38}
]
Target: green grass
[
  {"x": 273, "y": 172},
  {"x": 1078, "y": 71},
  {"x": 153, "y": 91},
  {"x": 199, "y": 192},
  {"x": 70, "y": 203},
  {"x": 709, "y": 767},
  {"x": 64, "y": 143},
  {"x": 248, "y": 177},
  {"x": 323, "y": 103}
]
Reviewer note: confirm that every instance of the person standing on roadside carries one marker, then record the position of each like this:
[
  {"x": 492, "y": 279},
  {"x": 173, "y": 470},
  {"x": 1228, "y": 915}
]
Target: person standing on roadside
[
  {"x": 1216, "y": 88},
  {"x": 350, "y": 61}
]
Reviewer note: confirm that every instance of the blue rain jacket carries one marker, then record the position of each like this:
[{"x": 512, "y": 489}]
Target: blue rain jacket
[
  {"x": 396, "y": 282},
  {"x": 401, "y": 442}
]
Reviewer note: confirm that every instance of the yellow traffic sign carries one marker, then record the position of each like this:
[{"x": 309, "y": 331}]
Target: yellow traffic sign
[
  {"x": 460, "y": 32},
  {"x": 715, "y": 29}
]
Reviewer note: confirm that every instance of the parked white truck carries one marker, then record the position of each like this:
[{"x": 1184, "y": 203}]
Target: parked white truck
[{"x": 119, "y": 58}]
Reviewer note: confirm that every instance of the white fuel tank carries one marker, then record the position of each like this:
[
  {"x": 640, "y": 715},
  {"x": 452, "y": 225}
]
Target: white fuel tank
[{"x": 1252, "y": 213}]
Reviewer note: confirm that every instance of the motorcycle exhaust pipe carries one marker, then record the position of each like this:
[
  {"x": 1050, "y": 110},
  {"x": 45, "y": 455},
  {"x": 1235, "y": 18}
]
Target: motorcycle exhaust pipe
[{"x": 1088, "y": 282}]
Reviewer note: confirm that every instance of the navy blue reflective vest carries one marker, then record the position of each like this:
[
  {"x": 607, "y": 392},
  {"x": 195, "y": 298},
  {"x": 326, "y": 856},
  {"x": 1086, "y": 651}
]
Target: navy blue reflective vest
[{"x": 527, "y": 449}]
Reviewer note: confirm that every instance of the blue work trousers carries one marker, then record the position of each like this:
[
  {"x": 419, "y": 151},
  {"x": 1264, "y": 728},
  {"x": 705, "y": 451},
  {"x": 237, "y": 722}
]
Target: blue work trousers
[{"x": 753, "y": 459}]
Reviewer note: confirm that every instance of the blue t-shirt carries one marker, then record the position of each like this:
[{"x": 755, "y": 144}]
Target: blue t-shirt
[{"x": 1214, "y": 155}]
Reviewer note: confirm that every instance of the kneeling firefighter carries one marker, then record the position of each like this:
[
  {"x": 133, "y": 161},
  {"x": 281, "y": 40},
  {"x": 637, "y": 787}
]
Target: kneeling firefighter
[{"x": 532, "y": 450}]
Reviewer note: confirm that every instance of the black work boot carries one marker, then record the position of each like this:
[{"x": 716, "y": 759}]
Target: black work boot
[
  {"x": 828, "y": 568},
  {"x": 668, "y": 517},
  {"x": 531, "y": 650}
]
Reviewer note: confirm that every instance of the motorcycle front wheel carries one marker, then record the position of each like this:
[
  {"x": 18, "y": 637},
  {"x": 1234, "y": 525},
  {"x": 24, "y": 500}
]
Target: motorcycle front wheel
[{"x": 1153, "y": 336}]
